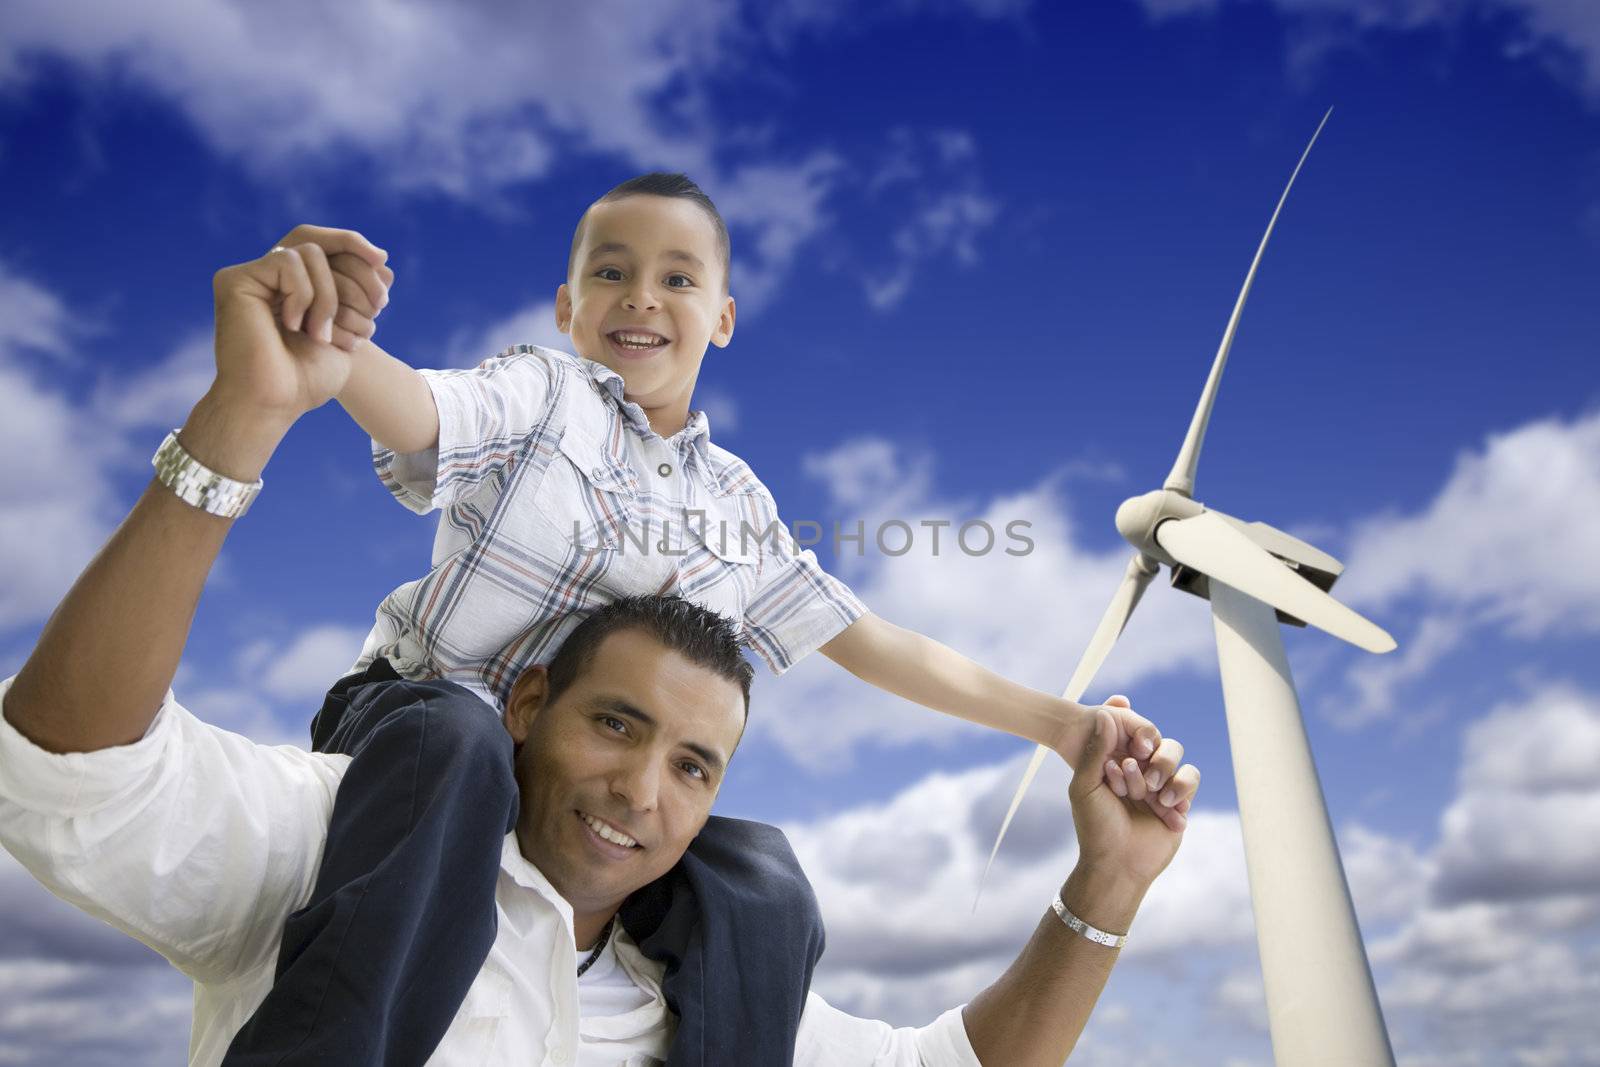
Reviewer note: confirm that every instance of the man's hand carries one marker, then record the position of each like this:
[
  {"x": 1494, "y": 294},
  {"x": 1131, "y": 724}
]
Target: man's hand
[
  {"x": 286, "y": 321},
  {"x": 317, "y": 258},
  {"x": 1119, "y": 838},
  {"x": 1141, "y": 765}
]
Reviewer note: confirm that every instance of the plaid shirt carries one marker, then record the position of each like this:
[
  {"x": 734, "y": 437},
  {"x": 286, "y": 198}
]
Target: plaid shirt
[{"x": 559, "y": 498}]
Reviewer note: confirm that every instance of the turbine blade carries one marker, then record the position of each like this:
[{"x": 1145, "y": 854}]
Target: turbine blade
[
  {"x": 1181, "y": 479},
  {"x": 1134, "y": 581},
  {"x": 1212, "y": 546}
]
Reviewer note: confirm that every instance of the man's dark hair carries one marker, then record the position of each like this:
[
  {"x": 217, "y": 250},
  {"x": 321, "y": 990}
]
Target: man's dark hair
[
  {"x": 701, "y": 636},
  {"x": 662, "y": 183}
]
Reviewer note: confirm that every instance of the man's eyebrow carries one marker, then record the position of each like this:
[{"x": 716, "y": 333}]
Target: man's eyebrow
[
  {"x": 621, "y": 707},
  {"x": 672, "y": 253}
]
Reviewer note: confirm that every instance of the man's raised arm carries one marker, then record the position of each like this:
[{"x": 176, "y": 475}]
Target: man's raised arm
[
  {"x": 1035, "y": 1012},
  {"x": 109, "y": 652}
]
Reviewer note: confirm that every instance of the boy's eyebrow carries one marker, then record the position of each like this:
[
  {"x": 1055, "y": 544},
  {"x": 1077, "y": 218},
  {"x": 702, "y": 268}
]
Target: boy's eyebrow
[
  {"x": 673, "y": 253},
  {"x": 617, "y": 706}
]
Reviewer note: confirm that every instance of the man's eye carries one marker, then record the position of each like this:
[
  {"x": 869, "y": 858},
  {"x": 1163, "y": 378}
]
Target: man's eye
[
  {"x": 614, "y": 724},
  {"x": 694, "y": 770}
]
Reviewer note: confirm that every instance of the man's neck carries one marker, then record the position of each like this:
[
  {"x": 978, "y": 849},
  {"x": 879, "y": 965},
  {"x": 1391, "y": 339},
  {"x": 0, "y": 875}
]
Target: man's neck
[{"x": 586, "y": 929}]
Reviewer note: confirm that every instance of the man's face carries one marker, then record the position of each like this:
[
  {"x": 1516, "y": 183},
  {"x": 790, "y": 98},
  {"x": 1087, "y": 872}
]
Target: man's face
[
  {"x": 635, "y": 747},
  {"x": 647, "y": 270}
]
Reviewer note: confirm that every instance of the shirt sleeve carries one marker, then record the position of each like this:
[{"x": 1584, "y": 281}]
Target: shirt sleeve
[
  {"x": 830, "y": 1037},
  {"x": 485, "y": 417},
  {"x": 797, "y": 607},
  {"x": 193, "y": 840}
]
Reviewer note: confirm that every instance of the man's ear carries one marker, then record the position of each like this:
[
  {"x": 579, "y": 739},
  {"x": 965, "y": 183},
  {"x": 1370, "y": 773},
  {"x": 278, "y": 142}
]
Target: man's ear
[
  {"x": 724, "y": 331},
  {"x": 564, "y": 308},
  {"x": 528, "y": 698}
]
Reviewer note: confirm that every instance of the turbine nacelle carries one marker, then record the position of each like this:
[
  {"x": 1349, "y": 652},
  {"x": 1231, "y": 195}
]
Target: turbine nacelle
[{"x": 1139, "y": 516}]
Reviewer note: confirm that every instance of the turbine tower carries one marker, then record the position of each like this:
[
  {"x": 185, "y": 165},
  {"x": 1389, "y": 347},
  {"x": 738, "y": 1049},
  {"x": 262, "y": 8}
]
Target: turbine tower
[{"x": 1322, "y": 1006}]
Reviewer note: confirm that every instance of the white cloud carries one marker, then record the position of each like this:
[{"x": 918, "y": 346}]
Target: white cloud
[
  {"x": 1481, "y": 981},
  {"x": 1378, "y": 680},
  {"x": 459, "y": 99},
  {"x": 31, "y": 318},
  {"x": 1526, "y": 819},
  {"x": 61, "y": 500},
  {"x": 160, "y": 394},
  {"x": 1026, "y": 616},
  {"x": 532, "y": 325},
  {"x": 1507, "y": 539},
  {"x": 782, "y": 206},
  {"x": 924, "y": 849},
  {"x": 937, "y": 175},
  {"x": 301, "y": 670},
  {"x": 721, "y": 410},
  {"x": 58, "y": 500},
  {"x": 471, "y": 102}
]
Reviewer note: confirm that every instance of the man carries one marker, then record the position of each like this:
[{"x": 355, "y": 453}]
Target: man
[{"x": 205, "y": 846}]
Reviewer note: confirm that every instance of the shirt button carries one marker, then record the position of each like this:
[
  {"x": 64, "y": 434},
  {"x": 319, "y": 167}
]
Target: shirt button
[
  {"x": 664, "y": 470},
  {"x": 559, "y": 1054}
]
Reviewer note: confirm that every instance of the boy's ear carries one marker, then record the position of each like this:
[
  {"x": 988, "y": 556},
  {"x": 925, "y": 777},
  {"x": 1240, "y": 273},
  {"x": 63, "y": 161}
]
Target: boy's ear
[
  {"x": 528, "y": 698},
  {"x": 564, "y": 308},
  {"x": 724, "y": 331}
]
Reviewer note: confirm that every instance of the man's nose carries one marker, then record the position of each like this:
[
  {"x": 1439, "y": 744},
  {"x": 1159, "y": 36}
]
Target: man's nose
[{"x": 638, "y": 782}]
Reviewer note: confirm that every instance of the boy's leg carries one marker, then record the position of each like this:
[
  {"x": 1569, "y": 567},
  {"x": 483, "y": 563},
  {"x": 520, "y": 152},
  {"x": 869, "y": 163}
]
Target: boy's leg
[{"x": 374, "y": 968}]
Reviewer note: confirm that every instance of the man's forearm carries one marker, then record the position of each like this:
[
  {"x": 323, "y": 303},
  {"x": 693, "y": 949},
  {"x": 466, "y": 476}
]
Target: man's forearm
[
  {"x": 932, "y": 674},
  {"x": 108, "y": 654},
  {"x": 1035, "y": 1012},
  {"x": 390, "y": 400}
]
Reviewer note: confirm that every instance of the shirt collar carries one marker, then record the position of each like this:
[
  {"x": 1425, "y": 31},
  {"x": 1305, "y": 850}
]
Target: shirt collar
[
  {"x": 524, "y": 873},
  {"x": 696, "y": 433}
]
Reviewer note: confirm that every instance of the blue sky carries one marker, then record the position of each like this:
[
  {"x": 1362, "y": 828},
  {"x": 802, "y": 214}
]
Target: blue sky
[{"x": 983, "y": 253}]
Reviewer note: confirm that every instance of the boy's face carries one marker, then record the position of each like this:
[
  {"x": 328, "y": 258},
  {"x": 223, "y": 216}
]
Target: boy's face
[{"x": 648, "y": 269}]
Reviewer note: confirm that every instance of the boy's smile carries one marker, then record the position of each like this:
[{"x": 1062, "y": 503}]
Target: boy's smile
[{"x": 646, "y": 297}]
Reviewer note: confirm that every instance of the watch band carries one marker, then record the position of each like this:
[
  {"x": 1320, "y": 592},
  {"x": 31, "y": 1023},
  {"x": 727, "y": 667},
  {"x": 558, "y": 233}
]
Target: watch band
[
  {"x": 1077, "y": 925},
  {"x": 198, "y": 485}
]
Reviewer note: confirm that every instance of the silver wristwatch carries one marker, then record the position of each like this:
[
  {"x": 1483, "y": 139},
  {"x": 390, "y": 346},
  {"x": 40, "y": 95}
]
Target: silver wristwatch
[
  {"x": 1099, "y": 937},
  {"x": 199, "y": 485}
]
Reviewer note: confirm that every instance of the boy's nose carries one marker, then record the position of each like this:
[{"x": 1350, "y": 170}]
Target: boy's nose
[{"x": 641, "y": 298}]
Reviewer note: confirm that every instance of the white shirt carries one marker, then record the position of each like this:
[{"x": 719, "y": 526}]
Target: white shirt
[{"x": 200, "y": 842}]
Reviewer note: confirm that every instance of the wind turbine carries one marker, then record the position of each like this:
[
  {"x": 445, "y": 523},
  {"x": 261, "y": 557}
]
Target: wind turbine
[{"x": 1322, "y": 1006}]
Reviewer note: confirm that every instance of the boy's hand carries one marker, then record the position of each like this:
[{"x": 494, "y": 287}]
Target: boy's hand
[
  {"x": 1142, "y": 766},
  {"x": 338, "y": 283}
]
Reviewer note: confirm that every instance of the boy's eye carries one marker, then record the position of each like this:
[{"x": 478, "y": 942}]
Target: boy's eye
[
  {"x": 683, "y": 278},
  {"x": 603, "y": 271}
]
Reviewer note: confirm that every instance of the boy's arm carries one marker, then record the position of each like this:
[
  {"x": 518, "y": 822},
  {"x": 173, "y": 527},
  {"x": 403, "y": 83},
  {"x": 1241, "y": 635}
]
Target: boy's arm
[
  {"x": 390, "y": 400},
  {"x": 926, "y": 672}
]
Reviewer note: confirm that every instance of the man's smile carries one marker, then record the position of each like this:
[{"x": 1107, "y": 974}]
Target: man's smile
[{"x": 610, "y": 840}]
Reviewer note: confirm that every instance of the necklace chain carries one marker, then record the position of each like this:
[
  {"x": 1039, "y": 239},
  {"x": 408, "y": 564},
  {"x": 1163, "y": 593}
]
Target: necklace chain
[{"x": 599, "y": 947}]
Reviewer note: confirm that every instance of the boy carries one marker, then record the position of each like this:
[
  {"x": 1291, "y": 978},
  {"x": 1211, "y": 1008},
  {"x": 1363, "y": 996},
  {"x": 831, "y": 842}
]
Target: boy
[{"x": 570, "y": 481}]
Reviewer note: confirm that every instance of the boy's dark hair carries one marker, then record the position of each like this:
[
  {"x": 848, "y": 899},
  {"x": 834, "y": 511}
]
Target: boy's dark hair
[
  {"x": 662, "y": 183},
  {"x": 700, "y": 635}
]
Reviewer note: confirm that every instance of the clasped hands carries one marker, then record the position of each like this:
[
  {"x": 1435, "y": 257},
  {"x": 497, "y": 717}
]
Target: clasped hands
[{"x": 1143, "y": 766}]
